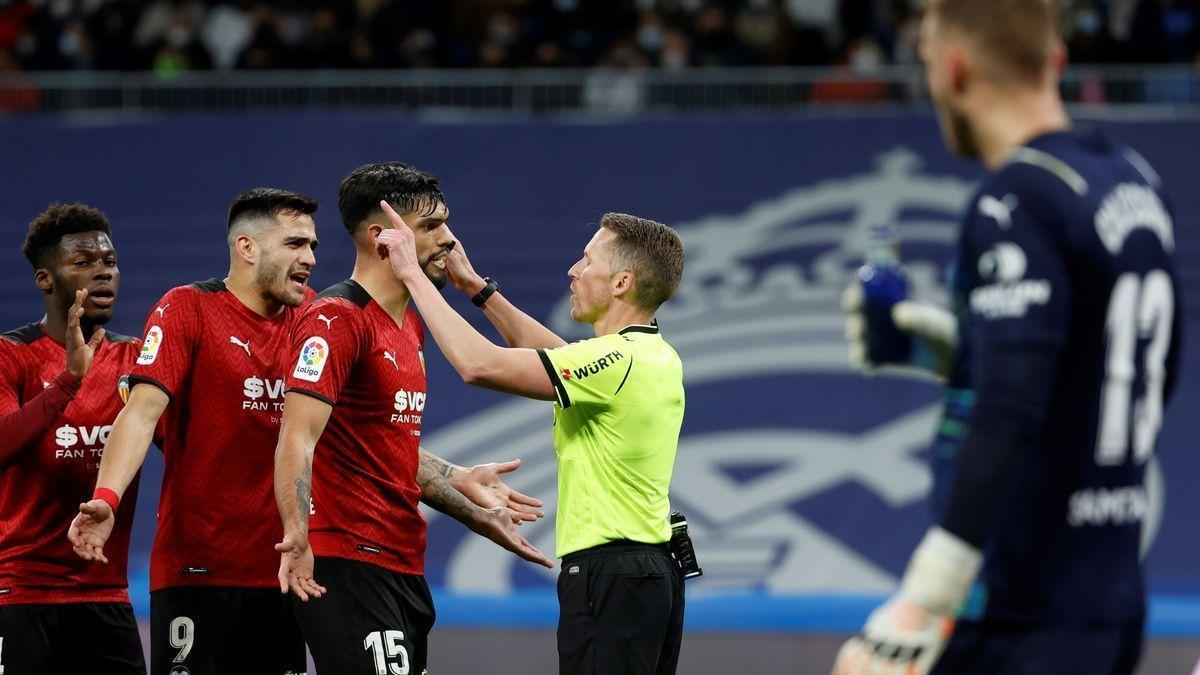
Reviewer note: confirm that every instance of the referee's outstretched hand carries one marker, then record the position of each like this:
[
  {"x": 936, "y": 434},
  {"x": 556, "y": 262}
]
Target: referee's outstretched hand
[
  {"x": 497, "y": 524},
  {"x": 482, "y": 485}
]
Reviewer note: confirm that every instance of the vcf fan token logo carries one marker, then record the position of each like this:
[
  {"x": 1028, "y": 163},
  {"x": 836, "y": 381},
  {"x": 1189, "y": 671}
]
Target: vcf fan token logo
[
  {"x": 153, "y": 341},
  {"x": 313, "y": 356}
]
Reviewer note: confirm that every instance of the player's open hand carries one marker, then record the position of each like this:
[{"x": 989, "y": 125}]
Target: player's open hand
[
  {"x": 934, "y": 329},
  {"x": 296, "y": 567},
  {"x": 899, "y": 637},
  {"x": 482, "y": 485},
  {"x": 80, "y": 353},
  {"x": 398, "y": 245},
  {"x": 497, "y": 524},
  {"x": 90, "y": 530}
]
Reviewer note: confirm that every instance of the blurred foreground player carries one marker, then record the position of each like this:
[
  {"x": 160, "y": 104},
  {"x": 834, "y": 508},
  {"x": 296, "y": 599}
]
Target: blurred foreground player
[
  {"x": 619, "y": 405},
  {"x": 56, "y": 611},
  {"x": 209, "y": 369},
  {"x": 354, "y": 541},
  {"x": 1070, "y": 344}
]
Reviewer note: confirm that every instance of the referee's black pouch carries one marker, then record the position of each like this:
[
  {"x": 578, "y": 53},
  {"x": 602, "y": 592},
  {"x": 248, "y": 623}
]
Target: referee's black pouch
[{"x": 681, "y": 547}]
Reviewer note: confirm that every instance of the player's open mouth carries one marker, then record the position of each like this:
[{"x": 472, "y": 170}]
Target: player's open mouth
[
  {"x": 102, "y": 297},
  {"x": 439, "y": 263},
  {"x": 300, "y": 279}
]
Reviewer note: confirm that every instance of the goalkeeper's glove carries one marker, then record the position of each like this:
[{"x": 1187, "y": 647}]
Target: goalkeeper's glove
[
  {"x": 907, "y": 634},
  {"x": 934, "y": 331}
]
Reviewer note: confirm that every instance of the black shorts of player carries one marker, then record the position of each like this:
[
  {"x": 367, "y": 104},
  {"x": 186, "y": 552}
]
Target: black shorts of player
[
  {"x": 370, "y": 619},
  {"x": 984, "y": 649},
  {"x": 85, "y": 637},
  {"x": 620, "y": 611},
  {"x": 221, "y": 630}
]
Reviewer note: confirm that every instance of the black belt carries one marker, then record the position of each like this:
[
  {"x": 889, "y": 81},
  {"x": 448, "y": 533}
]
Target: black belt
[{"x": 617, "y": 546}]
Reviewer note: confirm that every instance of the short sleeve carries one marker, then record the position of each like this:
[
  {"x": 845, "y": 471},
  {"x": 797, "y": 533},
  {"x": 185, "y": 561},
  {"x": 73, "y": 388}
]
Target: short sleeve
[
  {"x": 325, "y": 343},
  {"x": 168, "y": 343},
  {"x": 588, "y": 372},
  {"x": 1014, "y": 256}
]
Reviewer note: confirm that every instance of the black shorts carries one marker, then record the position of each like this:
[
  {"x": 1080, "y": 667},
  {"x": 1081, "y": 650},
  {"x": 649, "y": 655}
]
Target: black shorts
[
  {"x": 220, "y": 630},
  {"x": 620, "y": 611},
  {"x": 981, "y": 649},
  {"x": 370, "y": 620},
  {"x": 85, "y": 637}
]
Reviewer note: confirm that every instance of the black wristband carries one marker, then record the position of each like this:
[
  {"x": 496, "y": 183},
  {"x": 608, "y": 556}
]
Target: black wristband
[{"x": 486, "y": 292}]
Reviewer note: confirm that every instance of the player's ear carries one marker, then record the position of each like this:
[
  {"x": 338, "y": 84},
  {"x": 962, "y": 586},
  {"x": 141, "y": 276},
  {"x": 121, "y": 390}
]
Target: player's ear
[
  {"x": 1058, "y": 60},
  {"x": 43, "y": 280},
  {"x": 958, "y": 68},
  {"x": 247, "y": 249}
]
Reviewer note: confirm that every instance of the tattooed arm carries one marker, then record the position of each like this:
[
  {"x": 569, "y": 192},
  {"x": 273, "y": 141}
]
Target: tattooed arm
[
  {"x": 495, "y": 523},
  {"x": 482, "y": 485},
  {"x": 304, "y": 419}
]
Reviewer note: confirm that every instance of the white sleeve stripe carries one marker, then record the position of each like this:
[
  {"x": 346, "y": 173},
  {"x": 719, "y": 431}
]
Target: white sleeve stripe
[
  {"x": 1143, "y": 167},
  {"x": 1052, "y": 164}
]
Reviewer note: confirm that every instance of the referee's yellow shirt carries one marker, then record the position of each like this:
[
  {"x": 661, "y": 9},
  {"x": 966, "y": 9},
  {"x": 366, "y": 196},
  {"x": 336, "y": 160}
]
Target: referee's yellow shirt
[{"x": 616, "y": 428}]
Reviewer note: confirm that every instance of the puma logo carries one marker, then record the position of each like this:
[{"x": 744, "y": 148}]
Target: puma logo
[
  {"x": 328, "y": 320},
  {"x": 390, "y": 357},
  {"x": 162, "y": 309},
  {"x": 244, "y": 345},
  {"x": 999, "y": 209}
]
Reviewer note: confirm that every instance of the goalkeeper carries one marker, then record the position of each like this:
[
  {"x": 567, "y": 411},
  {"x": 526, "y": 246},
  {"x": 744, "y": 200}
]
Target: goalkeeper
[{"x": 1068, "y": 333}]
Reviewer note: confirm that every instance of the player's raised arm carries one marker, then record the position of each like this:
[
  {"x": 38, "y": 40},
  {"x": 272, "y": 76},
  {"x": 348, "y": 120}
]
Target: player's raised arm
[
  {"x": 516, "y": 327},
  {"x": 304, "y": 420},
  {"x": 124, "y": 453},
  {"x": 515, "y": 370},
  {"x": 20, "y": 424}
]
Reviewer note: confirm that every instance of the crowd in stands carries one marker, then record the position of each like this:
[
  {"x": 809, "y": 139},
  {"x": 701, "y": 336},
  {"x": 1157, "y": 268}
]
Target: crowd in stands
[{"x": 170, "y": 36}]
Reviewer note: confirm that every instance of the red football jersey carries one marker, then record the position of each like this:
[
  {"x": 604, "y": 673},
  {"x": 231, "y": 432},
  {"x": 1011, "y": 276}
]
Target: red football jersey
[
  {"x": 349, "y": 353},
  {"x": 220, "y": 364},
  {"x": 41, "y": 489}
]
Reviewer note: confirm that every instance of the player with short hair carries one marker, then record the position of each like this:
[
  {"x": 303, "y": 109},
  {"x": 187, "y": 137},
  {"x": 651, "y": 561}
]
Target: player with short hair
[
  {"x": 208, "y": 369},
  {"x": 354, "y": 541},
  {"x": 57, "y": 612},
  {"x": 1069, "y": 341},
  {"x": 619, "y": 403}
]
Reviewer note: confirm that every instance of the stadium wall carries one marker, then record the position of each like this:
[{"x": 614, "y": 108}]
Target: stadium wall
[{"x": 803, "y": 481}]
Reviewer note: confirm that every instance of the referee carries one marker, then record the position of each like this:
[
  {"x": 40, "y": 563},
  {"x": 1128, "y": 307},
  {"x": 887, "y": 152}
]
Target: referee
[{"x": 618, "y": 408}]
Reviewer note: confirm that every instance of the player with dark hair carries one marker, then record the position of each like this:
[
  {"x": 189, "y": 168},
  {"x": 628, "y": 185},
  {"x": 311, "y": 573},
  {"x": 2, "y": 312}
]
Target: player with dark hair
[
  {"x": 619, "y": 403},
  {"x": 353, "y": 547},
  {"x": 208, "y": 369},
  {"x": 56, "y": 611},
  {"x": 1069, "y": 341}
]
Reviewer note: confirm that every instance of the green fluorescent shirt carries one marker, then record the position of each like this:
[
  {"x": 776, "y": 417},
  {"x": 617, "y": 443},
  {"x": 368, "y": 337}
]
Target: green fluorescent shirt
[{"x": 616, "y": 428}]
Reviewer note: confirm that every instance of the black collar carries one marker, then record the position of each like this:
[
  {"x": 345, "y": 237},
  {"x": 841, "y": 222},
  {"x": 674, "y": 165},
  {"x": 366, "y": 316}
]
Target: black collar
[{"x": 652, "y": 328}]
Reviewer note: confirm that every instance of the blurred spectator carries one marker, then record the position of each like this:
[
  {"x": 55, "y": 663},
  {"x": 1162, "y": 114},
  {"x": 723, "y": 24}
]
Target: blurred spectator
[{"x": 170, "y": 36}]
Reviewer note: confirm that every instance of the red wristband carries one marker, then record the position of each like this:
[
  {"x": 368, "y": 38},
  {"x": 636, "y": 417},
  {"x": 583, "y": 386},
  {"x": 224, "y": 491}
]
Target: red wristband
[{"x": 108, "y": 497}]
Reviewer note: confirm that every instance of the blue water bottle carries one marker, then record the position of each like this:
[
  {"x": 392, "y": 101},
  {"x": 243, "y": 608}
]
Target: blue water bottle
[{"x": 884, "y": 283}]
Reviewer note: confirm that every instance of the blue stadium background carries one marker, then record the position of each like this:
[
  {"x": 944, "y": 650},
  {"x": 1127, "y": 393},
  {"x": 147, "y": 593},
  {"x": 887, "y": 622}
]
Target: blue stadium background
[{"x": 804, "y": 481}]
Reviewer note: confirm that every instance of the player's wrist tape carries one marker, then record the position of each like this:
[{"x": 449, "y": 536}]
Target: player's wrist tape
[
  {"x": 940, "y": 572},
  {"x": 490, "y": 287},
  {"x": 108, "y": 497}
]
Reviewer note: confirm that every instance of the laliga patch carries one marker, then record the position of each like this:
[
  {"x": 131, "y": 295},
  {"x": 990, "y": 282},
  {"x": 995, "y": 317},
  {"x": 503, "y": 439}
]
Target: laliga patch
[
  {"x": 150, "y": 345},
  {"x": 313, "y": 356}
]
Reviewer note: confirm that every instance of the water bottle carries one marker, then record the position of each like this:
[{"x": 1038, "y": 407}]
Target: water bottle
[
  {"x": 884, "y": 283},
  {"x": 681, "y": 547}
]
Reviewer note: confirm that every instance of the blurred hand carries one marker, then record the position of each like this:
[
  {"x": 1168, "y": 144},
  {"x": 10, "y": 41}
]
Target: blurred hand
[
  {"x": 934, "y": 329},
  {"x": 91, "y": 529},
  {"x": 398, "y": 245},
  {"x": 899, "y": 637},
  {"x": 80, "y": 353}
]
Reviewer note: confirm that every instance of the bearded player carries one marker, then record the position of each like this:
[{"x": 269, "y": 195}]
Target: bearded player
[
  {"x": 56, "y": 611},
  {"x": 1069, "y": 341},
  {"x": 349, "y": 468}
]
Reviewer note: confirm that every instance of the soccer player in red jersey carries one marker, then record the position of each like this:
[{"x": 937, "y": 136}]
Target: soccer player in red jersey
[
  {"x": 209, "y": 368},
  {"x": 355, "y": 396},
  {"x": 57, "y": 612}
]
